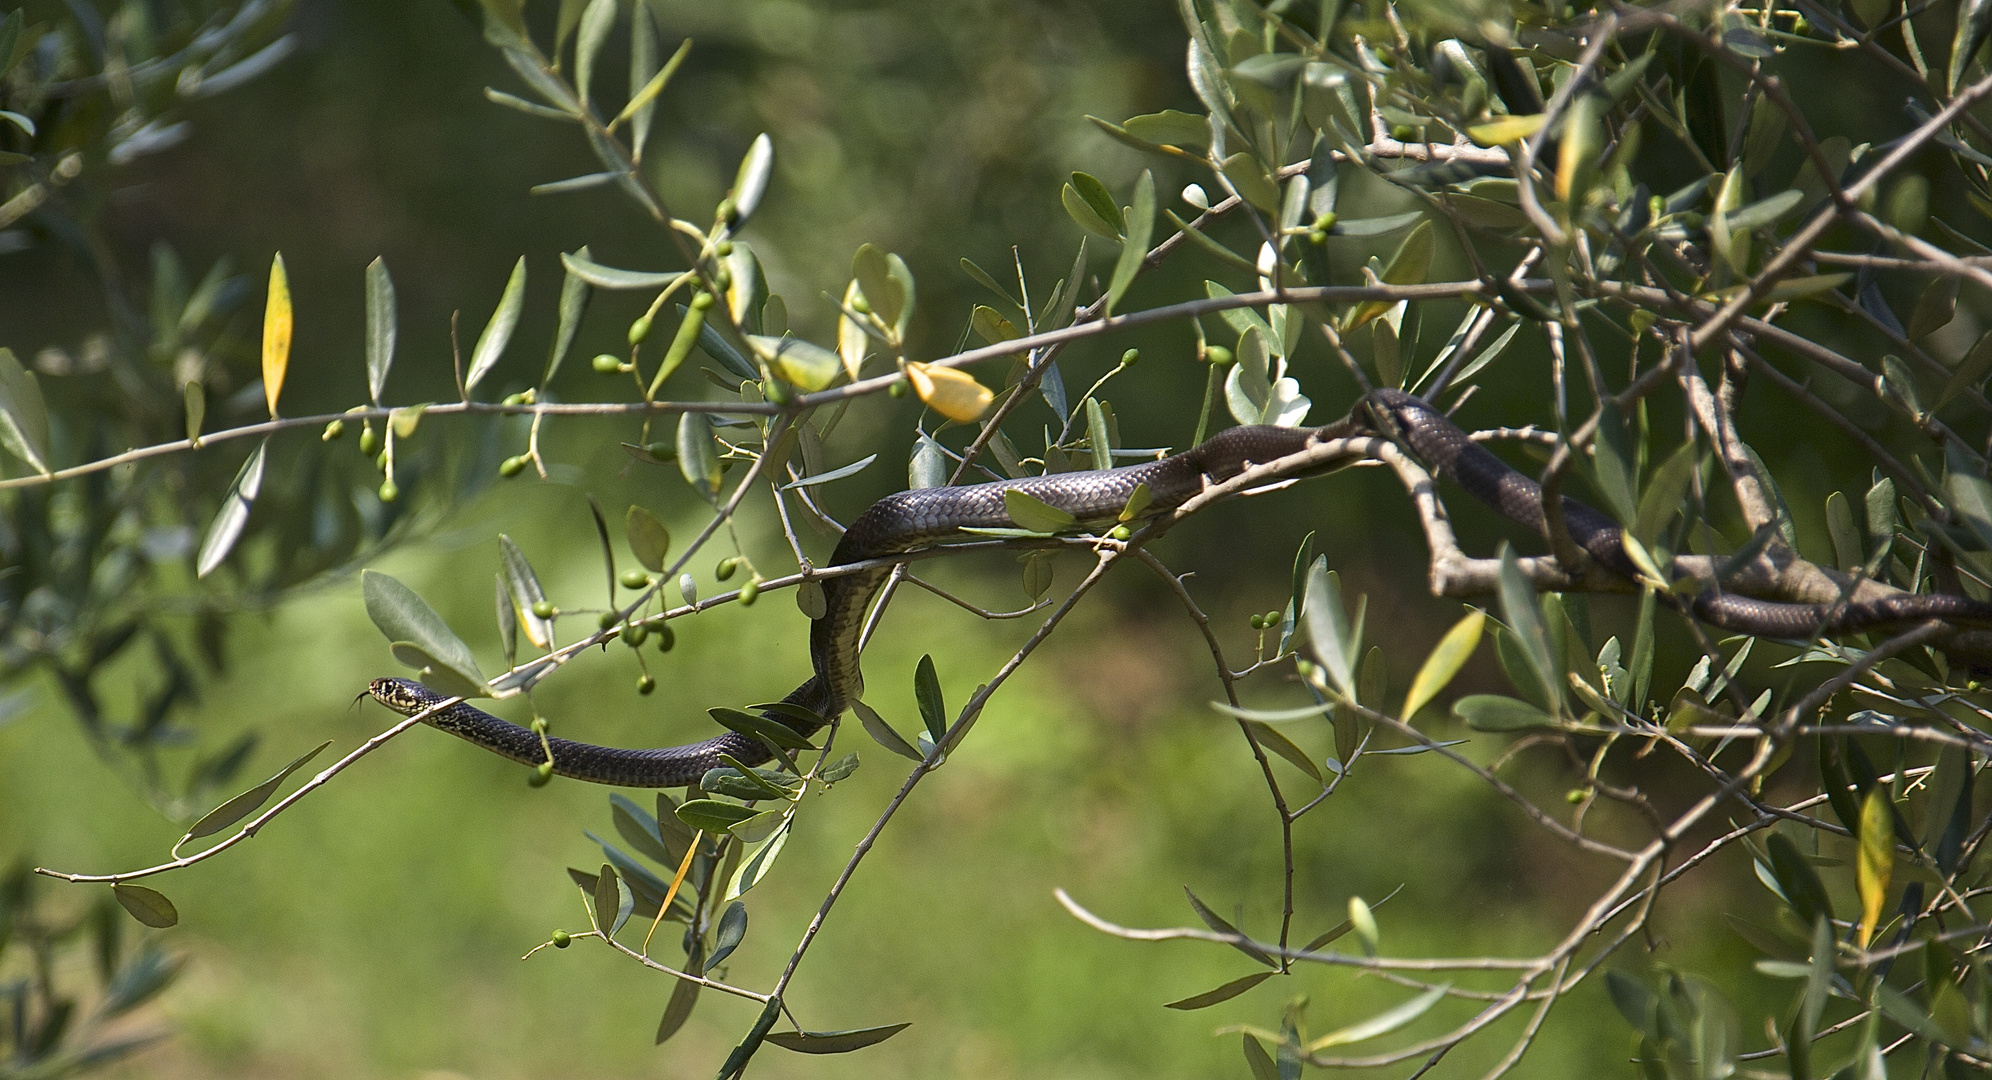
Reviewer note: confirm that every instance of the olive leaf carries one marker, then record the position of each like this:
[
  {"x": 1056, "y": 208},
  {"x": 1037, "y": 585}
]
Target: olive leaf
[
  {"x": 498, "y": 331},
  {"x": 403, "y": 616}
]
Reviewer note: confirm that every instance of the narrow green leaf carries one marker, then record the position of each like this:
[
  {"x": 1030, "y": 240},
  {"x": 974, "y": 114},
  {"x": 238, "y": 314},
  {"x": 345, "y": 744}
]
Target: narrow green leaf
[
  {"x": 1382, "y": 1023},
  {"x": 882, "y": 732},
  {"x": 607, "y": 897},
  {"x": 575, "y": 292},
  {"x": 1363, "y": 920},
  {"x": 1211, "y": 247},
  {"x": 1819, "y": 977},
  {"x": 927, "y": 692},
  {"x": 10, "y": 38},
  {"x": 1084, "y": 215},
  {"x": 684, "y": 997},
  {"x": 642, "y": 70},
  {"x": 803, "y": 363},
  {"x": 1969, "y": 374},
  {"x": 750, "y": 181},
  {"x": 434, "y": 673},
  {"x": 1170, "y": 128},
  {"x": 504, "y": 319},
  {"x": 713, "y": 816},
  {"x": 885, "y": 294},
  {"x": 1271, "y": 739},
  {"x": 147, "y": 906},
  {"x": 1217, "y": 922},
  {"x": 732, "y": 931},
  {"x": 1845, "y": 534},
  {"x": 641, "y": 831},
  {"x": 1765, "y": 212},
  {"x": 1444, "y": 662},
  {"x": 983, "y": 278},
  {"x": 852, "y": 469},
  {"x": 608, "y": 277},
  {"x": 1974, "y": 22},
  {"x": 1901, "y": 1009},
  {"x": 649, "y": 540},
  {"x": 196, "y": 402},
  {"x": 1223, "y": 993},
  {"x": 1260, "y": 1062},
  {"x": 524, "y": 586},
  {"x": 1098, "y": 442},
  {"x": 1796, "y": 879},
  {"x": 530, "y": 108},
  {"x": 1100, "y": 201},
  {"x": 1373, "y": 679},
  {"x": 1936, "y": 307},
  {"x": 839, "y": 769},
  {"x": 756, "y": 866},
  {"x": 1970, "y": 495},
  {"x": 1030, "y": 512},
  {"x": 1408, "y": 266},
  {"x": 759, "y": 727},
  {"x": 1612, "y": 455},
  {"x": 1037, "y": 574},
  {"x": 241, "y": 806},
  {"x": 742, "y": 781},
  {"x": 1140, "y": 225},
  {"x": 834, "y": 1042},
  {"x": 698, "y": 455},
  {"x": 1881, "y": 522},
  {"x": 1328, "y": 627},
  {"x": 1376, "y": 226},
  {"x": 380, "y": 327},
  {"x": 23, "y": 414},
  {"x": 990, "y": 325},
  {"x": 1521, "y": 607},
  {"x": 1493, "y": 712},
  {"x": 639, "y": 105},
  {"x": 401, "y": 615},
  {"x": 234, "y": 513},
  {"x": 597, "y": 19}
]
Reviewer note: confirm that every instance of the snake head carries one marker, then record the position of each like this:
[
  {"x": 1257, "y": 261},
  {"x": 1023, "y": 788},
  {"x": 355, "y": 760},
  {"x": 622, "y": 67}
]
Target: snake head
[{"x": 405, "y": 696}]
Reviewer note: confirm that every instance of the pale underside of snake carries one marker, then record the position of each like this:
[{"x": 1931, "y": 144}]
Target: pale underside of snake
[{"x": 912, "y": 519}]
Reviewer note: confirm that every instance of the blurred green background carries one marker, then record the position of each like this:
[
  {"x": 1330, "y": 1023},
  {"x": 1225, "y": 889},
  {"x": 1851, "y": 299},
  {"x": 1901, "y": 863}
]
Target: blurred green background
[{"x": 375, "y": 930}]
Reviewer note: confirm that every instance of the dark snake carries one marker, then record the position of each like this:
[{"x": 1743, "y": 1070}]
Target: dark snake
[{"x": 910, "y": 519}]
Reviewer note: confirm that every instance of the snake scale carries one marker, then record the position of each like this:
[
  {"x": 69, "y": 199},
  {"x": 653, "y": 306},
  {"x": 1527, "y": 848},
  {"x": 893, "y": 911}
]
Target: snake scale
[{"x": 910, "y": 519}]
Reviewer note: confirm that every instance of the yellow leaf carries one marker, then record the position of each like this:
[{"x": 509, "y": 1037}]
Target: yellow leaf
[
  {"x": 954, "y": 394},
  {"x": 276, "y": 334},
  {"x": 1505, "y": 130},
  {"x": 1445, "y": 662},
  {"x": 1877, "y": 858}
]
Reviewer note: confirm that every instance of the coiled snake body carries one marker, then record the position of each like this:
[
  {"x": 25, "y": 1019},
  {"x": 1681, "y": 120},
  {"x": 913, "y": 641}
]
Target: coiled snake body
[{"x": 911, "y": 519}]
